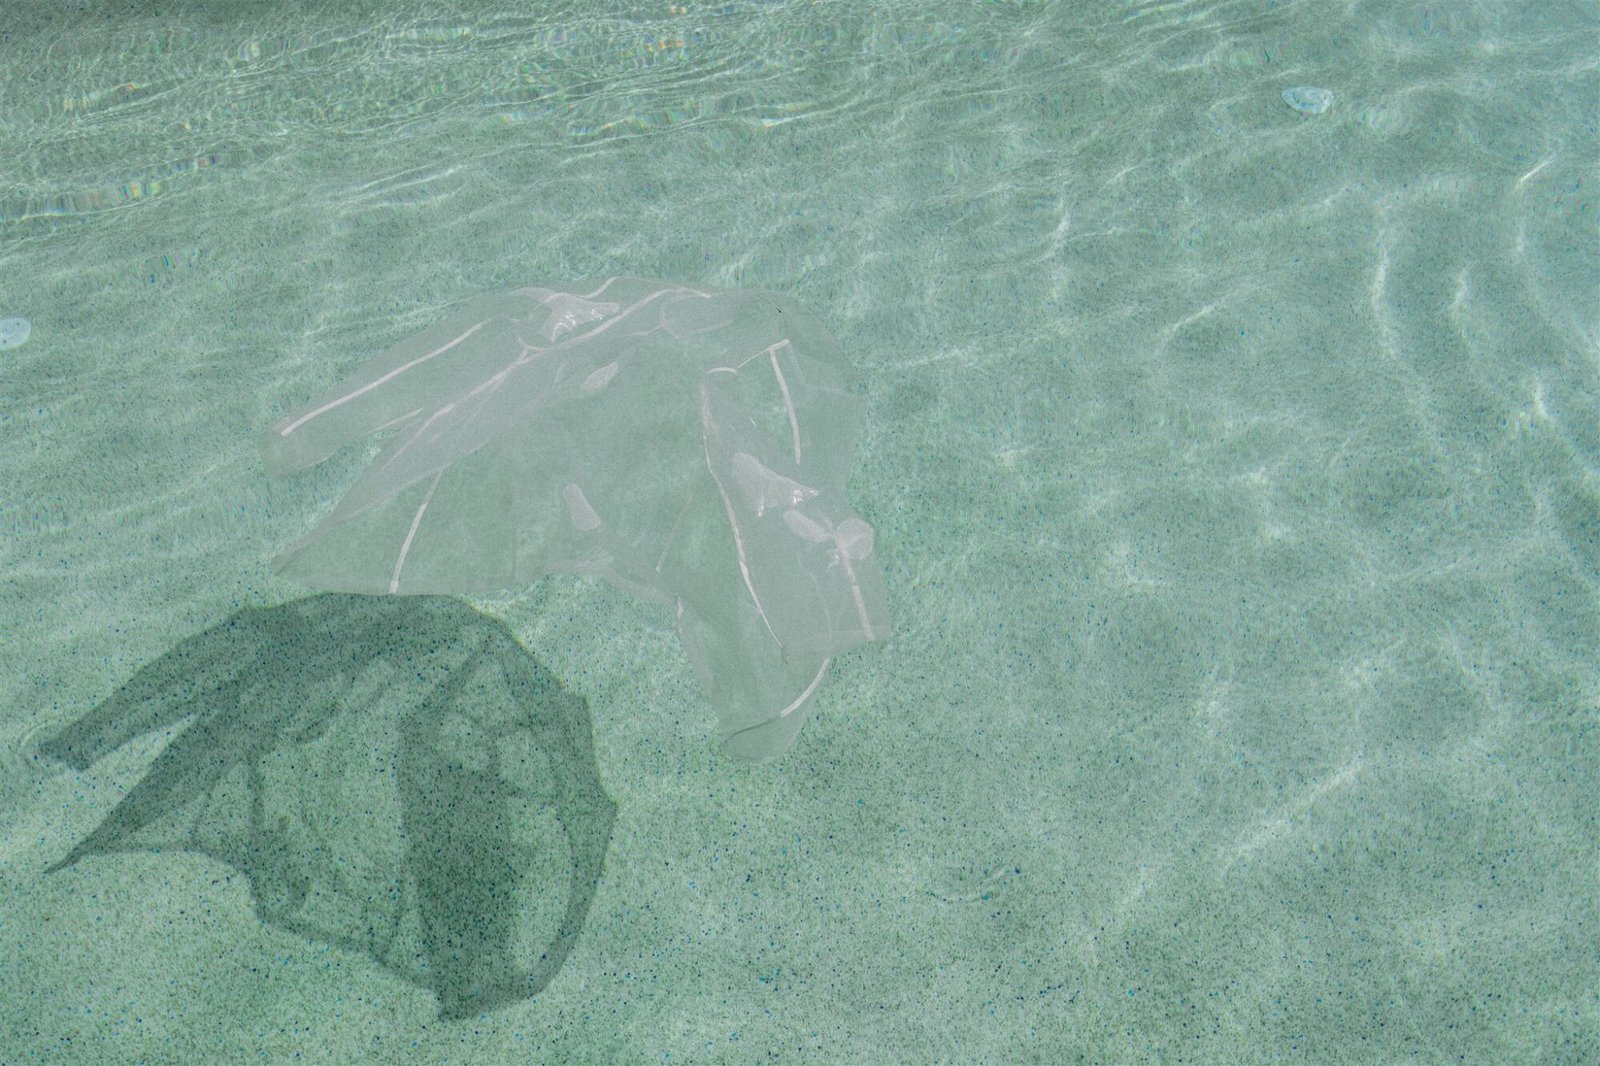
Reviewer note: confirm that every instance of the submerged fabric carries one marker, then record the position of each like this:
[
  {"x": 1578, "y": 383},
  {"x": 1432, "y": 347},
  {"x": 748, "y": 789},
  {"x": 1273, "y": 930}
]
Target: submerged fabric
[{"x": 687, "y": 443}]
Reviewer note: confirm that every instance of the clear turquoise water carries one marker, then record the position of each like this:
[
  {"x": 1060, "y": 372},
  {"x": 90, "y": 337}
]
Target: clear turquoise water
[{"x": 1236, "y": 475}]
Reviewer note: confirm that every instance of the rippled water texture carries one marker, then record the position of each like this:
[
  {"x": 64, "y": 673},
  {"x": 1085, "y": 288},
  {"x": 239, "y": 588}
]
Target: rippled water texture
[{"x": 1230, "y": 468}]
